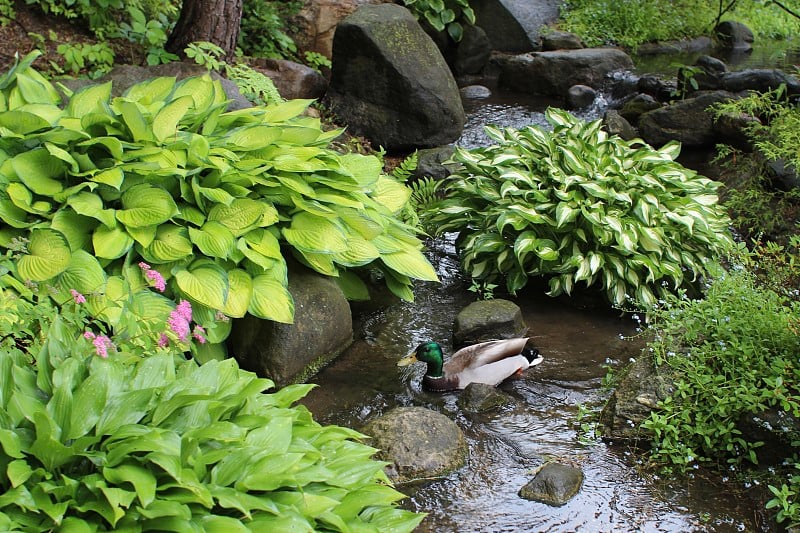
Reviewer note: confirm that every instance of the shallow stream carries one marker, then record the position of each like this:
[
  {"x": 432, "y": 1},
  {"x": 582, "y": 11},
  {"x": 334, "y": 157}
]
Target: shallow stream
[{"x": 506, "y": 446}]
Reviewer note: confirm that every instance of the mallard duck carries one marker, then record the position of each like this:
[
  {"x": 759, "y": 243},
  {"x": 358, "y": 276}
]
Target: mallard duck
[{"x": 487, "y": 362}]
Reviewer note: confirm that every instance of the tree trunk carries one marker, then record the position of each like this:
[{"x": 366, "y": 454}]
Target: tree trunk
[{"x": 215, "y": 21}]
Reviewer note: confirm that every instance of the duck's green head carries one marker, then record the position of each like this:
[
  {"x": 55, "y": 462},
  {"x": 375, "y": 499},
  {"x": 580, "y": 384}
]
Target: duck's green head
[{"x": 428, "y": 352}]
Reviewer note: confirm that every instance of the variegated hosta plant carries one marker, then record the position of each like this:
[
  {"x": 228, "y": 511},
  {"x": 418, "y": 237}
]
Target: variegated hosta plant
[
  {"x": 209, "y": 199},
  {"x": 577, "y": 205}
]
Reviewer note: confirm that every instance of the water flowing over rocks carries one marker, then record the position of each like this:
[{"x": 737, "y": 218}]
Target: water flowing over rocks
[
  {"x": 390, "y": 83},
  {"x": 417, "y": 443},
  {"x": 553, "y": 73},
  {"x": 288, "y": 353},
  {"x": 554, "y": 484},
  {"x": 485, "y": 320}
]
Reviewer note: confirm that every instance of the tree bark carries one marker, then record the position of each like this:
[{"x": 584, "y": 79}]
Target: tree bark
[{"x": 215, "y": 21}]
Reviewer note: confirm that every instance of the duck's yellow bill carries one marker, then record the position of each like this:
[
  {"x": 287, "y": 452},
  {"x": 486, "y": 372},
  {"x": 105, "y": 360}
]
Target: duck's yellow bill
[{"x": 407, "y": 360}]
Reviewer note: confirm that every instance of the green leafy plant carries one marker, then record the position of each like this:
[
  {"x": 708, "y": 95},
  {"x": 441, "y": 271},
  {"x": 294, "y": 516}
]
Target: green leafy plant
[
  {"x": 97, "y": 58},
  {"x": 263, "y": 31},
  {"x": 449, "y": 15},
  {"x": 149, "y": 35},
  {"x": 211, "y": 200},
  {"x": 7, "y": 12},
  {"x": 317, "y": 61},
  {"x": 577, "y": 205},
  {"x": 159, "y": 443},
  {"x": 732, "y": 353},
  {"x": 785, "y": 499},
  {"x": 254, "y": 85}
]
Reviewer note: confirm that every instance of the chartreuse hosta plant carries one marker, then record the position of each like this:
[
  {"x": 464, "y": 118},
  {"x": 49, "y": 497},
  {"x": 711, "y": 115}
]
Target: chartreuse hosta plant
[
  {"x": 159, "y": 443},
  {"x": 577, "y": 205},
  {"x": 209, "y": 199}
]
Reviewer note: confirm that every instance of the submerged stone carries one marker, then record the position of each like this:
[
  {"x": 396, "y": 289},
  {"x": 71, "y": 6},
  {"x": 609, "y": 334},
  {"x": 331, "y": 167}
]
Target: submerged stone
[
  {"x": 488, "y": 320},
  {"x": 480, "y": 397},
  {"x": 554, "y": 484}
]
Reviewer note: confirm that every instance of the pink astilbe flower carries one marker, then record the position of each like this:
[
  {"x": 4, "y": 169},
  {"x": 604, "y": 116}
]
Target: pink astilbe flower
[
  {"x": 199, "y": 333},
  {"x": 153, "y": 276},
  {"x": 179, "y": 320},
  {"x": 78, "y": 297},
  {"x": 102, "y": 344},
  {"x": 163, "y": 340}
]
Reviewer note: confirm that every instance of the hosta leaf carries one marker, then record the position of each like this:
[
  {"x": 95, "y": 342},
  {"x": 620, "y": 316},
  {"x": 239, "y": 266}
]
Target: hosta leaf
[
  {"x": 112, "y": 177},
  {"x": 565, "y": 214},
  {"x": 22, "y": 122},
  {"x": 205, "y": 282},
  {"x": 359, "y": 252},
  {"x": 365, "y": 169},
  {"x": 165, "y": 123},
  {"x": 285, "y": 110},
  {"x": 39, "y": 171},
  {"x": 91, "y": 205},
  {"x": 244, "y": 214},
  {"x": 271, "y": 300},
  {"x": 142, "y": 479},
  {"x": 90, "y": 99},
  {"x": 144, "y": 235},
  {"x": 84, "y": 273},
  {"x": 145, "y": 205},
  {"x": 265, "y": 243},
  {"x": 48, "y": 255},
  {"x": 111, "y": 243},
  {"x": 150, "y": 91},
  {"x": 391, "y": 193},
  {"x": 252, "y": 137},
  {"x": 170, "y": 244},
  {"x": 240, "y": 290},
  {"x": 315, "y": 234},
  {"x": 352, "y": 286},
  {"x": 411, "y": 263},
  {"x": 134, "y": 120},
  {"x": 213, "y": 239}
]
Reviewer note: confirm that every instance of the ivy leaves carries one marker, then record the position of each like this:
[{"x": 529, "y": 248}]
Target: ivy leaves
[{"x": 575, "y": 205}]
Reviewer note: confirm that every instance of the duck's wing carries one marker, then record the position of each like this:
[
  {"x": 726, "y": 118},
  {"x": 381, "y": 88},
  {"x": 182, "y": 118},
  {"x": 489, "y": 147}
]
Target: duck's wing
[
  {"x": 484, "y": 353},
  {"x": 493, "y": 373}
]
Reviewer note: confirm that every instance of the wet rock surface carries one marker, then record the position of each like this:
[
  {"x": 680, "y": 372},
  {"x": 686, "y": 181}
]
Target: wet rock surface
[
  {"x": 488, "y": 320},
  {"x": 480, "y": 398},
  {"x": 417, "y": 442},
  {"x": 554, "y": 484}
]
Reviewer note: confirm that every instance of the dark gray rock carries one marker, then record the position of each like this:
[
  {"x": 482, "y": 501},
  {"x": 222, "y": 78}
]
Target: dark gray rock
[
  {"x": 776, "y": 428},
  {"x": 476, "y": 92},
  {"x": 293, "y": 80},
  {"x": 390, "y": 83},
  {"x": 734, "y": 35},
  {"x": 417, "y": 443},
  {"x": 554, "y": 484},
  {"x": 761, "y": 80},
  {"x": 784, "y": 175},
  {"x": 553, "y": 73},
  {"x": 706, "y": 74},
  {"x": 638, "y": 105},
  {"x": 123, "y": 77},
  {"x": 561, "y": 40},
  {"x": 732, "y": 129},
  {"x": 288, "y": 353},
  {"x": 580, "y": 96},
  {"x": 488, "y": 319},
  {"x": 687, "y": 121},
  {"x": 480, "y": 397},
  {"x": 635, "y": 397},
  {"x": 615, "y": 124},
  {"x": 657, "y": 87},
  {"x": 431, "y": 162},
  {"x": 514, "y": 25},
  {"x": 472, "y": 52}
]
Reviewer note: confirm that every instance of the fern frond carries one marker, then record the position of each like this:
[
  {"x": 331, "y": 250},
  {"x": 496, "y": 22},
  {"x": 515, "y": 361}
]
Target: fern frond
[{"x": 406, "y": 168}]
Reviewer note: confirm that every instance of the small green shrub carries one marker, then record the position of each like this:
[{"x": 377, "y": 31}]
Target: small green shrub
[
  {"x": 575, "y": 205},
  {"x": 263, "y": 30},
  {"x": 633, "y": 22},
  {"x": 149, "y": 35},
  {"x": 734, "y": 352},
  {"x": 210, "y": 200},
  {"x": 97, "y": 58},
  {"x": 7, "y": 12},
  {"x": 159, "y": 443},
  {"x": 449, "y": 15}
]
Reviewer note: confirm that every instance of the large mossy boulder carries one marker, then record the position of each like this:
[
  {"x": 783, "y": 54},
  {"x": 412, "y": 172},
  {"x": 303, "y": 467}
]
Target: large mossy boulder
[
  {"x": 289, "y": 353},
  {"x": 553, "y": 73},
  {"x": 514, "y": 25},
  {"x": 417, "y": 443},
  {"x": 390, "y": 83}
]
